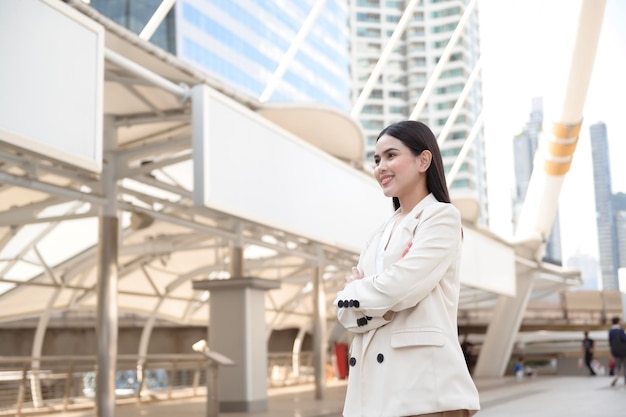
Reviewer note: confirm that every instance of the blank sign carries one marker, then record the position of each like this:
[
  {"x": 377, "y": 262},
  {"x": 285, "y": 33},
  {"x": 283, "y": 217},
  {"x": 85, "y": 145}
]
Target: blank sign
[{"x": 51, "y": 81}]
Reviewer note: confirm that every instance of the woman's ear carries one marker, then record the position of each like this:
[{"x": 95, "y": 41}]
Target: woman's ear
[{"x": 424, "y": 160}]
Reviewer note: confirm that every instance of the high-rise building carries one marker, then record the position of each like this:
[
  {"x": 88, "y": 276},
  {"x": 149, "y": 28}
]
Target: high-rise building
[
  {"x": 407, "y": 71},
  {"x": 294, "y": 49},
  {"x": 524, "y": 148},
  {"x": 605, "y": 214},
  {"x": 619, "y": 205}
]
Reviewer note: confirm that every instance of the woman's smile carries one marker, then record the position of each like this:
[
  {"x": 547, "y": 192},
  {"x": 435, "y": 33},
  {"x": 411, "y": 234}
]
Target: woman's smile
[{"x": 385, "y": 180}]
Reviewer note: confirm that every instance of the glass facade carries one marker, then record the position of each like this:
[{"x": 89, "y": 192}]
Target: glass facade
[
  {"x": 605, "y": 215},
  {"x": 242, "y": 43},
  {"x": 134, "y": 14}
]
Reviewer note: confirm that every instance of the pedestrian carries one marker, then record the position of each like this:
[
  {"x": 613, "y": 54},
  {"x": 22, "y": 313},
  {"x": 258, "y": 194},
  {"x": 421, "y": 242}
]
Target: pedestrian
[
  {"x": 518, "y": 369},
  {"x": 588, "y": 350},
  {"x": 617, "y": 345},
  {"x": 467, "y": 348},
  {"x": 401, "y": 299}
]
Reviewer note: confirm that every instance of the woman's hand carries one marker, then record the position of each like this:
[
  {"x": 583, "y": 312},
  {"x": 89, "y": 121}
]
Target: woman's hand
[
  {"x": 406, "y": 250},
  {"x": 356, "y": 274}
]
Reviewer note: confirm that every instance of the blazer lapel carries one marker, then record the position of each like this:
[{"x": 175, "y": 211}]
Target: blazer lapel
[
  {"x": 404, "y": 235},
  {"x": 400, "y": 237}
]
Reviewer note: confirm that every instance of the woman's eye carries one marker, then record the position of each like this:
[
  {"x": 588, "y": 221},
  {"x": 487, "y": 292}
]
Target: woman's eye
[{"x": 376, "y": 162}]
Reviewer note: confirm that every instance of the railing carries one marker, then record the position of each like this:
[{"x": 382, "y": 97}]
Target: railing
[
  {"x": 285, "y": 369},
  {"x": 66, "y": 383},
  {"x": 53, "y": 384}
]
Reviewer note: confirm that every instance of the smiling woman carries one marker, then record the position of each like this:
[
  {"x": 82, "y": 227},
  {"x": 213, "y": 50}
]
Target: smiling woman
[{"x": 401, "y": 299}]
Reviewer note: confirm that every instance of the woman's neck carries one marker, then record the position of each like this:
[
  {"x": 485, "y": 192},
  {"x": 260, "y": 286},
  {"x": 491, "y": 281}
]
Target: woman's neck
[{"x": 409, "y": 202}]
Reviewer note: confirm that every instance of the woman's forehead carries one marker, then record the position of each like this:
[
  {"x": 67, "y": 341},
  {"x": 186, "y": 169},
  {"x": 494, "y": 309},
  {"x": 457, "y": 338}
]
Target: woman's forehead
[{"x": 386, "y": 142}]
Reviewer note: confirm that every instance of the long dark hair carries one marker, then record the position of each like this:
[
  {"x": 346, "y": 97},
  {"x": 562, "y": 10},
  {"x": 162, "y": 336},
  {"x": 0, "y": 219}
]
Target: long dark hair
[{"x": 418, "y": 137}]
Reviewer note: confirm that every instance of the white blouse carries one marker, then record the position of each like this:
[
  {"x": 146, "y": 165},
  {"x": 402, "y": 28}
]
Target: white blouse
[{"x": 384, "y": 241}]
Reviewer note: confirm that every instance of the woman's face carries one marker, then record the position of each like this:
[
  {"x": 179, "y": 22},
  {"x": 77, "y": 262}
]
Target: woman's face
[{"x": 397, "y": 170}]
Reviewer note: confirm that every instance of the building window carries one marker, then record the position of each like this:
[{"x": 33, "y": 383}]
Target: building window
[
  {"x": 457, "y": 72},
  {"x": 397, "y": 109},
  {"x": 453, "y": 11},
  {"x": 397, "y": 94},
  {"x": 368, "y": 3},
  {"x": 445, "y": 28},
  {"x": 368, "y": 17},
  {"x": 368, "y": 33},
  {"x": 372, "y": 109},
  {"x": 455, "y": 88},
  {"x": 398, "y": 4},
  {"x": 465, "y": 183}
]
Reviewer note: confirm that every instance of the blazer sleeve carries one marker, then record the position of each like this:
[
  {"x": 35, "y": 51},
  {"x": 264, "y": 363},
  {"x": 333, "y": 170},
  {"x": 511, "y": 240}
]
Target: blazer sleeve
[
  {"x": 435, "y": 247},
  {"x": 350, "y": 315}
]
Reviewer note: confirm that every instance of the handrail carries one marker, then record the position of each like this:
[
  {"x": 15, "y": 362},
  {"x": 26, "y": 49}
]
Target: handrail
[{"x": 68, "y": 381}]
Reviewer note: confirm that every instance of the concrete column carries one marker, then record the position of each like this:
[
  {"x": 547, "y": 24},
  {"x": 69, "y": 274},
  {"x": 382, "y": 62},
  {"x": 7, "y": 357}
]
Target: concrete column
[
  {"x": 320, "y": 341},
  {"x": 237, "y": 331},
  {"x": 106, "y": 311},
  {"x": 502, "y": 331}
]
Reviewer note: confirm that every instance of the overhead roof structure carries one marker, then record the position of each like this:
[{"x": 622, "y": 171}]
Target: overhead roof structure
[{"x": 49, "y": 210}]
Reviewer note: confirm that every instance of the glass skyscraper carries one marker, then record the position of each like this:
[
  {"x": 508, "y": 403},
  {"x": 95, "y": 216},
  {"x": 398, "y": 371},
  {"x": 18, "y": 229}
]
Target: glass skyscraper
[
  {"x": 243, "y": 42},
  {"x": 605, "y": 215},
  {"x": 524, "y": 148}
]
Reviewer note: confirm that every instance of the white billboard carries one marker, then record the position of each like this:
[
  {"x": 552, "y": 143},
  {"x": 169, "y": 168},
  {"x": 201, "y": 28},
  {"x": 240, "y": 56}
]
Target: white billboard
[
  {"x": 487, "y": 263},
  {"x": 51, "y": 81},
  {"x": 249, "y": 167}
]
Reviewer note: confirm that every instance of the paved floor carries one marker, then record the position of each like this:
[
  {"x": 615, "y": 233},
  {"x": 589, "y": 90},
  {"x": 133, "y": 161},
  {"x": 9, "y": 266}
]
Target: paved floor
[{"x": 543, "y": 396}]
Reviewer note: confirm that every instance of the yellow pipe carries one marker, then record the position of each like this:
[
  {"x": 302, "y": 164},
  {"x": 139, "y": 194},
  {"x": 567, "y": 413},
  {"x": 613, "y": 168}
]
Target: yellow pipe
[{"x": 558, "y": 147}]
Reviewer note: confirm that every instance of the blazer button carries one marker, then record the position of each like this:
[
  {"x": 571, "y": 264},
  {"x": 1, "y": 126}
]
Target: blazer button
[
  {"x": 340, "y": 304},
  {"x": 380, "y": 358},
  {"x": 352, "y": 361},
  {"x": 351, "y": 303},
  {"x": 356, "y": 303}
]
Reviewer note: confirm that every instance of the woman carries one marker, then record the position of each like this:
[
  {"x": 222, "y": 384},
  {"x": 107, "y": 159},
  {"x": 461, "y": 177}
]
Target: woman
[{"x": 401, "y": 300}]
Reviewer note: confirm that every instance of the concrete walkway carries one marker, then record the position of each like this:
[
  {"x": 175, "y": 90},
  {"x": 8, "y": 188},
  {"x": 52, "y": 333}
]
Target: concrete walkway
[{"x": 543, "y": 396}]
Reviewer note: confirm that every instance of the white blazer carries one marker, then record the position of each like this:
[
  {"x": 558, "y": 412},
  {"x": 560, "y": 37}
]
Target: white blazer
[{"x": 410, "y": 361}]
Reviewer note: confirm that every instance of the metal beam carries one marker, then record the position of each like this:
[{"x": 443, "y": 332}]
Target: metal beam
[
  {"x": 156, "y": 19},
  {"x": 182, "y": 92}
]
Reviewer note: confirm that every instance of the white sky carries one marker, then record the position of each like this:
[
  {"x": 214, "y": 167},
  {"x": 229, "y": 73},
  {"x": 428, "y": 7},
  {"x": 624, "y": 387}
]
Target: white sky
[{"x": 521, "y": 41}]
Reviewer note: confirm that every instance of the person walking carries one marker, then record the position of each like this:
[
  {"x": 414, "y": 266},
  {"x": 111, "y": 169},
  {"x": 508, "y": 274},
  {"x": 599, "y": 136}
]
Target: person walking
[
  {"x": 401, "y": 299},
  {"x": 588, "y": 350},
  {"x": 617, "y": 345}
]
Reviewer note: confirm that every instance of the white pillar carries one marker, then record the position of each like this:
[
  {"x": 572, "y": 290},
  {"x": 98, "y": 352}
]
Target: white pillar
[
  {"x": 503, "y": 328},
  {"x": 106, "y": 326},
  {"x": 237, "y": 330},
  {"x": 320, "y": 341}
]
